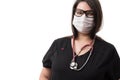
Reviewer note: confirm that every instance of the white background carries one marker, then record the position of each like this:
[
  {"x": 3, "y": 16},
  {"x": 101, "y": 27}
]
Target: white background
[{"x": 28, "y": 27}]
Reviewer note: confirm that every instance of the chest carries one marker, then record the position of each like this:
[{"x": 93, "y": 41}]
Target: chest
[{"x": 93, "y": 69}]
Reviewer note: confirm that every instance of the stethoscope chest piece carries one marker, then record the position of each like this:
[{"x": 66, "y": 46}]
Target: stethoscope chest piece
[{"x": 73, "y": 65}]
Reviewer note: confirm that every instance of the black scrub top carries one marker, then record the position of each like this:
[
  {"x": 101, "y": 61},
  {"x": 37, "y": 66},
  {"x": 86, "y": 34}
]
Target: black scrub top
[{"x": 104, "y": 63}]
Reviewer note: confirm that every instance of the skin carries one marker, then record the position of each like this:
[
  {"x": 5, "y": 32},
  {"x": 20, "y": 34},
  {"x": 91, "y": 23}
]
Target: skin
[
  {"x": 45, "y": 74},
  {"x": 84, "y": 6},
  {"x": 82, "y": 40}
]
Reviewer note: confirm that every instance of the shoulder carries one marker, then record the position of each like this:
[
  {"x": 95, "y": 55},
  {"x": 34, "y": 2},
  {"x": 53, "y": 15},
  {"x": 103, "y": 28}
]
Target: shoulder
[
  {"x": 104, "y": 45},
  {"x": 62, "y": 41},
  {"x": 104, "y": 49}
]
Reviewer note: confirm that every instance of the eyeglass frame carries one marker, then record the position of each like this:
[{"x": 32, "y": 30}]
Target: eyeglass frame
[{"x": 84, "y": 12}]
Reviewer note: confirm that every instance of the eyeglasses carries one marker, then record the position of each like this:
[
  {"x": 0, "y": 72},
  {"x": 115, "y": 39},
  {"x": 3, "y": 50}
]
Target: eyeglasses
[{"x": 88, "y": 13}]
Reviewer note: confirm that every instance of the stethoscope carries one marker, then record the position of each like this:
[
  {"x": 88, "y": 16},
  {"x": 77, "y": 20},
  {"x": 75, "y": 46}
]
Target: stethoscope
[{"x": 74, "y": 64}]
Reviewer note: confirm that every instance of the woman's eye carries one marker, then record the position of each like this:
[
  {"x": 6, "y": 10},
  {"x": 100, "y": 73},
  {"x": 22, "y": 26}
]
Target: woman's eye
[
  {"x": 90, "y": 14},
  {"x": 80, "y": 12}
]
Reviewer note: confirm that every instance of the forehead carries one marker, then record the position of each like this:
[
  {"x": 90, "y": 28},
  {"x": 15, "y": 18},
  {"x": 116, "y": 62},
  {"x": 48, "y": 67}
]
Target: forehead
[{"x": 83, "y": 5}]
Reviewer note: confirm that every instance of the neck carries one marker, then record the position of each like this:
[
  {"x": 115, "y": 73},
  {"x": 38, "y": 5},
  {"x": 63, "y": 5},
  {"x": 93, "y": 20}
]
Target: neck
[{"x": 83, "y": 37}]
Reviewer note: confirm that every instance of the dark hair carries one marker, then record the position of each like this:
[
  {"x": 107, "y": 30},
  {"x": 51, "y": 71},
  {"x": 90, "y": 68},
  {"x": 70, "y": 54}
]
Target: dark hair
[{"x": 96, "y": 7}]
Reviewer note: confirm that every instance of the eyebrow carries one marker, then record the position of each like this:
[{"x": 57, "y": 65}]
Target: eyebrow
[{"x": 84, "y": 10}]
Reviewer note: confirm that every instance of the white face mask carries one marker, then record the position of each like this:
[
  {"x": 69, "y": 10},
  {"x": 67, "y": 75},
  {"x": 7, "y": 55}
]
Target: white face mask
[{"x": 83, "y": 24}]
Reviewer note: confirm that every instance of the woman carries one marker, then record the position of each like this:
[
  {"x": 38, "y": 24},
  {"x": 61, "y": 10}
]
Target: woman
[{"x": 83, "y": 56}]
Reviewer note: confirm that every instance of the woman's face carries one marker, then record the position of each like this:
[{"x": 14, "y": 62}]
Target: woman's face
[{"x": 83, "y": 19}]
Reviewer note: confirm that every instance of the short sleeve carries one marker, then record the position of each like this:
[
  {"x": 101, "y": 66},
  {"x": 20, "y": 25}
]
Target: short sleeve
[
  {"x": 47, "y": 59},
  {"x": 114, "y": 67}
]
